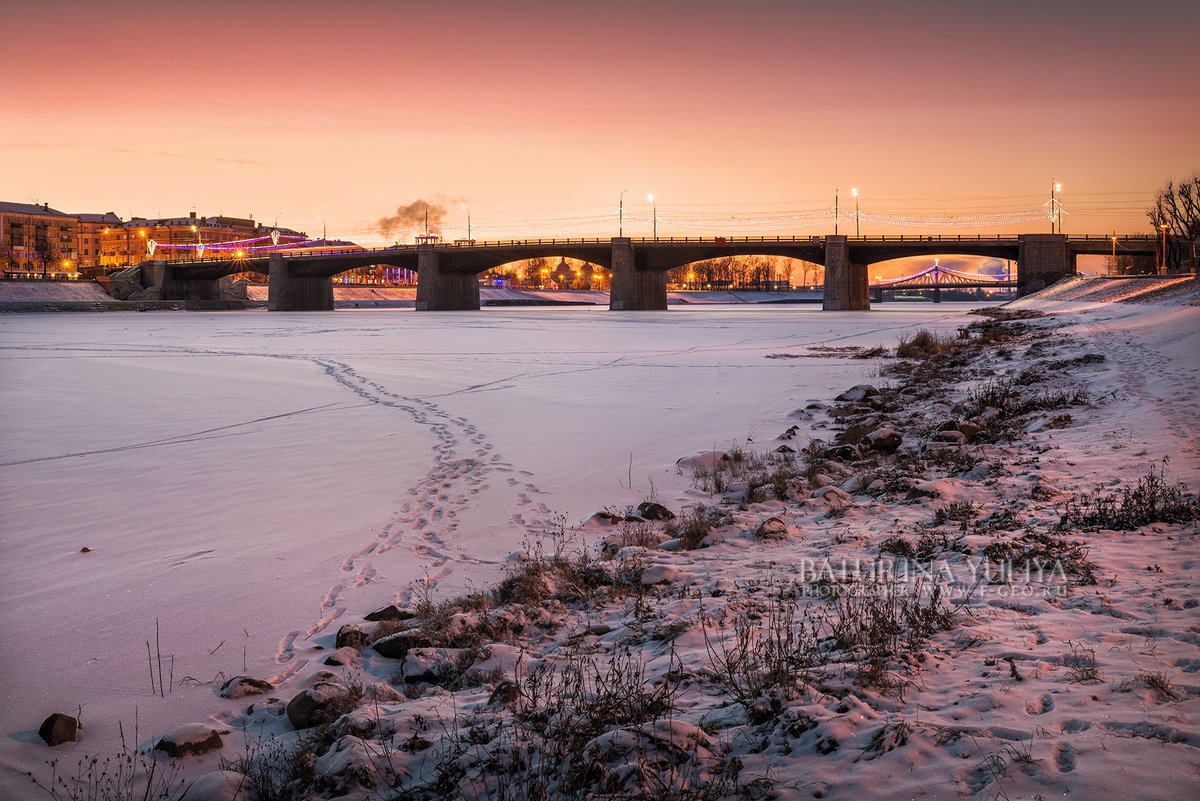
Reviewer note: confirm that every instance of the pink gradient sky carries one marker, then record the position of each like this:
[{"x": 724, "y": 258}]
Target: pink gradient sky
[{"x": 314, "y": 111}]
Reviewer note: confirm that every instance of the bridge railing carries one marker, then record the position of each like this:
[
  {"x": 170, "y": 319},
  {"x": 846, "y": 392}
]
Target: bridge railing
[{"x": 1110, "y": 237}]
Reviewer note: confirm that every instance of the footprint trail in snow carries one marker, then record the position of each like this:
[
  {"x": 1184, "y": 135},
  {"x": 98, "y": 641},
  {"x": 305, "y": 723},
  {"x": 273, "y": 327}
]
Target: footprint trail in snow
[{"x": 423, "y": 530}]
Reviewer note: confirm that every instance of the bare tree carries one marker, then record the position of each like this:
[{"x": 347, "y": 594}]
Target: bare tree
[
  {"x": 1177, "y": 206},
  {"x": 1128, "y": 264}
]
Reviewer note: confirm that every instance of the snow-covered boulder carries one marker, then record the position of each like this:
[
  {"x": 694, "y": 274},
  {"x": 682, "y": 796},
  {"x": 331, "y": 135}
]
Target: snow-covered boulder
[
  {"x": 346, "y": 655},
  {"x": 320, "y": 703},
  {"x": 433, "y": 665},
  {"x": 832, "y": 495},
  {"x": 397, "y": 646},
  {"x": 649, "y": 510},
  {"x": 389, "y": 612},
  {"x": 884, "y": 439},
  {"x": 191, "y": 739},
  {"x": 220, "y": 785},
  {"x": 351, "y": 635},
  {"x": 857, "y": 393},
  {"x": 242, "y": 686}
]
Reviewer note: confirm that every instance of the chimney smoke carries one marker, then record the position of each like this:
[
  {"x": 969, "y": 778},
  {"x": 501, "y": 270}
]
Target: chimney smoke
[{"x": 413, "y": 216}]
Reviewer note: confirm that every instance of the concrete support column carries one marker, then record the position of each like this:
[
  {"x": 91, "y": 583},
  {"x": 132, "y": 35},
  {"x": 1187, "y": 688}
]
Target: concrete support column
[
  {"x": 154, "y": 280},
  {"x": 846, "y": 284},
  {"x": 633, "y": 289},
  {"x": 442, "y": 291},
  {"x": 1042, "y": 259},
  {"x": 286, "y": 292},
  {"x": 172, "y": 288}
]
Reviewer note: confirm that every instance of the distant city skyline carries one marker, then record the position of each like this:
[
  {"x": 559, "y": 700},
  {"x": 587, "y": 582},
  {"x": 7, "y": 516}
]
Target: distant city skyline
[{"x": 547, "y": 118}]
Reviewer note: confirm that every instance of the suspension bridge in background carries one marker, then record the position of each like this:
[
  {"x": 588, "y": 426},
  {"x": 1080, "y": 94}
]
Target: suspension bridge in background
[{"x": 939, "y": 277}]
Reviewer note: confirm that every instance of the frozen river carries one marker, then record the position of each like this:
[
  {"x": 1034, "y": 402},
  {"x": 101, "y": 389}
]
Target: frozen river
[{"x": 249, "y": 478}]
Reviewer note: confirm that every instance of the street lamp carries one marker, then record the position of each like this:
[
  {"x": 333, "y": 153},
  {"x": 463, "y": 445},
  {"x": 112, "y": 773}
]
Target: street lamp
[
  {"x": 468, "y": 222},
  {"x": 836, "y": 192},
  {"x": 1055, "y": 215},
  {"x": 621, "y": 214},
  {"x": 653, "y": 214},
  {"x": 1163, "y": 226},
  {"x": 855, "y": 193}
]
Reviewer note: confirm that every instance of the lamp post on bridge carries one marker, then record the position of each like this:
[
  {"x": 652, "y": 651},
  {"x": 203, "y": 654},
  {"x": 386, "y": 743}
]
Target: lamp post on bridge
[
  {"x": 1163, "y": 226},
  {"x": 1112, "y": 267},
  {"x": 1055, "y": 215},
  {"x": 856, "y": 226},
  {"x": 621, "y": 214},
  {"x": 653, "y": 214},
  {"x": 836, "y": 192}
]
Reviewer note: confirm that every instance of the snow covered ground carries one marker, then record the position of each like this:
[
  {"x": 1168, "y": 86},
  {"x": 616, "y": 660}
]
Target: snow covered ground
[{"x": 247, "y": 483}]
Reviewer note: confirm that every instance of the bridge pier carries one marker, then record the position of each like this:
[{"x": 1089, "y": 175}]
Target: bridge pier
[
  {"x": 438, "y": 290},
  {"x": 633, "y": 289},
  {"x": 173, "y": 288},
  {"x": 287, "y": 292},
  {"x": 846, "y": 284},
  {"x": 1042, "y": 259}
]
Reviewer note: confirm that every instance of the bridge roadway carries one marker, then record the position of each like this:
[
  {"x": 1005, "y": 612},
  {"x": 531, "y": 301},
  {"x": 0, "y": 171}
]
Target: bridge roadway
[{"x": 448, "y": 272}]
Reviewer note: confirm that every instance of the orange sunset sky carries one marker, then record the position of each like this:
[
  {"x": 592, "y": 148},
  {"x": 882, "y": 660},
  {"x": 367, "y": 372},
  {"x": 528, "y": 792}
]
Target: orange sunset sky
[{"x": 537, "y": 115}]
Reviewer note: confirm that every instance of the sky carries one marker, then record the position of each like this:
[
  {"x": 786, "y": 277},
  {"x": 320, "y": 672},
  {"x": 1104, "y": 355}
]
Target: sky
[{"x": 561, "y": 118}]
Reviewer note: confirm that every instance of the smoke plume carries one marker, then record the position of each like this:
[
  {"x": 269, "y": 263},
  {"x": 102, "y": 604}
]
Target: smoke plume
[{"x": 413, "y": 216}]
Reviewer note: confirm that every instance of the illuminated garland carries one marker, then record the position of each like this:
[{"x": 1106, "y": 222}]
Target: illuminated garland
[
  {"x": 958, "y": 221},
  {"x": 231, "y": 247}
]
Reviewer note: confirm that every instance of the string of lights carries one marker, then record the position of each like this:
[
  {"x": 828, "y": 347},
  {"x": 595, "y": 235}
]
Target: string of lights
[
  {"x": 955, "y": 221},
  {"x": 226, "y": 247}
]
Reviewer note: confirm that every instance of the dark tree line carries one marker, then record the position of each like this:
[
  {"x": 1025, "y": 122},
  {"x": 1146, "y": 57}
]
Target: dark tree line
[
  {"x": 543, "y": 272},
  {"x": 742, "y": 272},
  {"x": 1128, "y": 264},
  {"x": 1177, "y": 206}
]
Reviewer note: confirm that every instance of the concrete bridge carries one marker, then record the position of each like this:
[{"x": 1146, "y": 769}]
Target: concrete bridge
[{"x": 448, "y": 272}]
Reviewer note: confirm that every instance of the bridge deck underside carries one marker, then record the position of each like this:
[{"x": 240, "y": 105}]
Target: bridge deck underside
[{"x": 877, "y": 252}]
